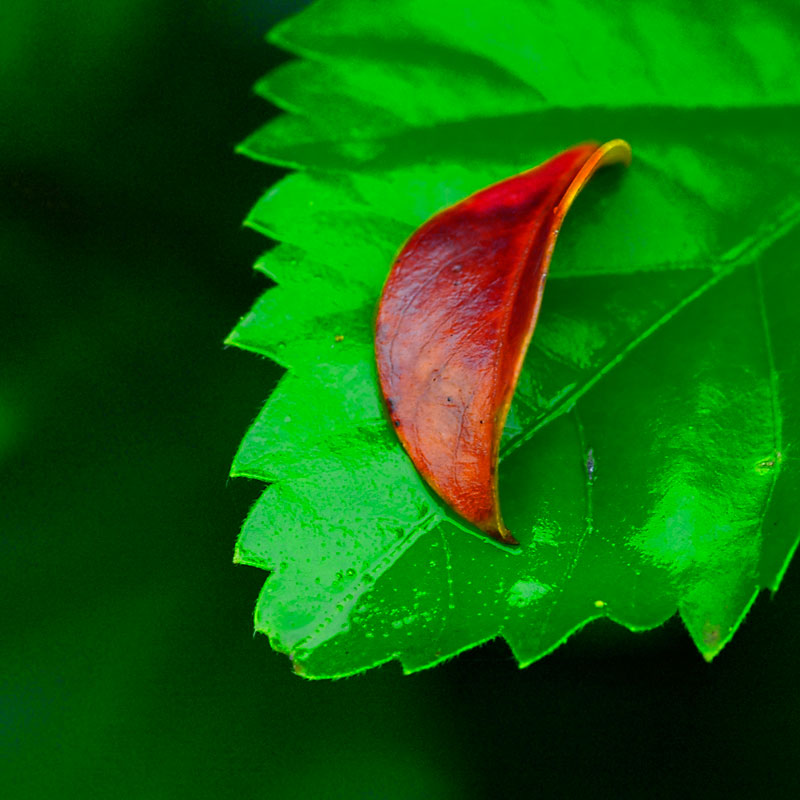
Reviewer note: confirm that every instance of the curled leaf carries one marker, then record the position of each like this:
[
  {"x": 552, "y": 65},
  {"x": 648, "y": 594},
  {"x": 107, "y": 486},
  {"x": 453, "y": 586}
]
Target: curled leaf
[{"x": 455, "y": 319}]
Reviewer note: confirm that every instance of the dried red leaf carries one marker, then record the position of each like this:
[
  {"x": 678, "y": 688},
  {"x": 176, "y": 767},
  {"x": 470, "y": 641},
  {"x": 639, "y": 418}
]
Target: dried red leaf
[{"x": 455, "y": 319}]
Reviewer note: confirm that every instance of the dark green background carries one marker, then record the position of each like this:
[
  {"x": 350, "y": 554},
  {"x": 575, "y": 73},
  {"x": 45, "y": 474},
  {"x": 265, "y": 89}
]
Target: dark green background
[{"x": 128, "y": 665}]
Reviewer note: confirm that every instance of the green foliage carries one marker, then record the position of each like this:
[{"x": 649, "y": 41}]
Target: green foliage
[{"x": 649, "y": 462}]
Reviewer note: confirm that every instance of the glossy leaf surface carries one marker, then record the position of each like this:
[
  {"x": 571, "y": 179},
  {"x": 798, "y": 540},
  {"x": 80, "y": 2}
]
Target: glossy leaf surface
[
  {"x": 455, "y": 319},
  {"x": 649, "y": 460}
]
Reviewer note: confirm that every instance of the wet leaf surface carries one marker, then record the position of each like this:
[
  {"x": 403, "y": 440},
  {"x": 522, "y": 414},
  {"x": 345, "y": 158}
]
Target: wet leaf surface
[{"x": 648, "y": 457}]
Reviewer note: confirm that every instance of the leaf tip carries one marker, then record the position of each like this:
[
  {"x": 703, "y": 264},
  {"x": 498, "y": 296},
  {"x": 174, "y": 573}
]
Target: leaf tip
[
  {"x": 616, "y": 151},
  {"x": 502, "y": 535}
]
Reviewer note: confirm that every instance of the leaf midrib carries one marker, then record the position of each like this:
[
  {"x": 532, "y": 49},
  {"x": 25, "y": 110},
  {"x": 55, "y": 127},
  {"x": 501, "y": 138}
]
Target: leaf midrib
[{"x": 731, "y": 262}]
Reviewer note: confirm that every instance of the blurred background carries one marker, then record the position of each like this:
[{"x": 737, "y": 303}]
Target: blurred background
[{"x": 128, "y": 667}]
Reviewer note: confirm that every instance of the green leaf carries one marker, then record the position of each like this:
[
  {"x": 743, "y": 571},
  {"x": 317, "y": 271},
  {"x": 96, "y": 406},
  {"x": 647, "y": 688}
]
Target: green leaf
[{"x": 649, "y": 460}]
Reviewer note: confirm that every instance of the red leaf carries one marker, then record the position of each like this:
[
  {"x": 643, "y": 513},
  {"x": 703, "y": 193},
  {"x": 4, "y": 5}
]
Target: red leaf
[{"x": 455, "y": 319}]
